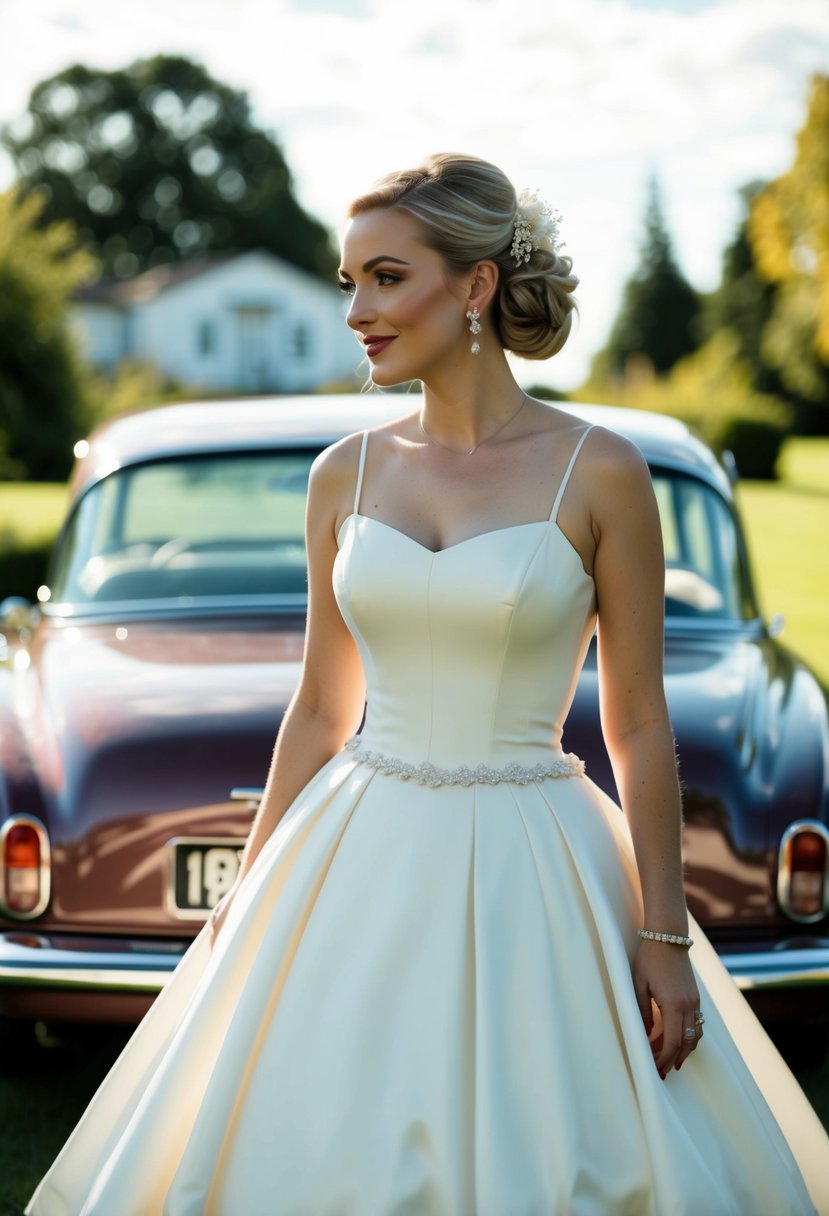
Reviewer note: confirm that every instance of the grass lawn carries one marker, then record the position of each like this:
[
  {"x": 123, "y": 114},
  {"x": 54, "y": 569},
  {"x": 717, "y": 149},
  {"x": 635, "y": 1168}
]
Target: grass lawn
[
  {"x": 787, "y": 524},
  {"x": 30, "y": 513}
]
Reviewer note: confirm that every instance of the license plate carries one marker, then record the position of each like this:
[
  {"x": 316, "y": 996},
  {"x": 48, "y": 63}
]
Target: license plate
[{"x": 202, "y": 871}]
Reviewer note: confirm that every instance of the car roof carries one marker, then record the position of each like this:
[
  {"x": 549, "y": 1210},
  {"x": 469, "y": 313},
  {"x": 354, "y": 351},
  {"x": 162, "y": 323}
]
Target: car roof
[{"x": 249, "y": 423}]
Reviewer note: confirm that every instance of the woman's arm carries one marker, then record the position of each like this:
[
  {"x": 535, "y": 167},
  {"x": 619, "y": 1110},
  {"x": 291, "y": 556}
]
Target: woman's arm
[
  {"x": 328, "y": 703},
  {"x": 629, "y": 572}
]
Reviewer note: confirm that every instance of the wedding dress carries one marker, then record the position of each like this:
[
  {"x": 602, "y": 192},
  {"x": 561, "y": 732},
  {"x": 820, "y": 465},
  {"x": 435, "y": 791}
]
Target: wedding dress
[{"x": 421, "y": 1001}]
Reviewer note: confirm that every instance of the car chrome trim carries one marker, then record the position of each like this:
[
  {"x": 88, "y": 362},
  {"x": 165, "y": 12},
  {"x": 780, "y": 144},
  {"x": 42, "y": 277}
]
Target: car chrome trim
[
  {"x": 45, "y": 866},
  {"x": 177, "y": 608},
  {"x": 782, "y": 968},
  {"x": 784, "y": 873},
  {"x": 194, "y": 915},
  {"x": 47, "y": 967},
  {"x": 250, "y": 794}
]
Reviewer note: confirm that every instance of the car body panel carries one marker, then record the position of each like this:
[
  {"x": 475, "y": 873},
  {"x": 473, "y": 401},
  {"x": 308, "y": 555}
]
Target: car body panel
[{"x": 125, "y": 727}]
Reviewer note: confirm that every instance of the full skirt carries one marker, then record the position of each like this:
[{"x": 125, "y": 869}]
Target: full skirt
[{"x": 421, "y": 1005}]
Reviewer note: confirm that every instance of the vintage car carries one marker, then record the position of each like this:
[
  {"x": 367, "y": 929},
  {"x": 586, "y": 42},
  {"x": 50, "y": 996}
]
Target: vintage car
[{"x": 139, "y": 704}]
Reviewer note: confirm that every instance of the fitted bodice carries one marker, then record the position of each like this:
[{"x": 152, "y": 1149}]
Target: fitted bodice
[{"x": 471, "y": 654}]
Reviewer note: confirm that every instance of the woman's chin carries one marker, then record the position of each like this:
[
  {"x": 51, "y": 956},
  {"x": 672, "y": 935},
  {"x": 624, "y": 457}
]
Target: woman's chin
[{"x": 385, "y": 377}]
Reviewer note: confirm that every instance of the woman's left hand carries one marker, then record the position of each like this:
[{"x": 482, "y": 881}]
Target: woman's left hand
[{"x": 663, "y": 976}]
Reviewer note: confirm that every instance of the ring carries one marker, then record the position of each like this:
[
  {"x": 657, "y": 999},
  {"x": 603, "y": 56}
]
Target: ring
[
  {"x": 689, "y": 1033},
  {"x": 699, "y": 1017}
]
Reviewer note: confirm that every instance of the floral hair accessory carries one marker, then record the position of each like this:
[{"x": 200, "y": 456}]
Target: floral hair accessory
[{"x": 536, "y": 227}]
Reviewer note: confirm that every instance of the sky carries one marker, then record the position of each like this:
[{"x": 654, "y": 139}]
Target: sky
[{"x": 581, "y": 99}]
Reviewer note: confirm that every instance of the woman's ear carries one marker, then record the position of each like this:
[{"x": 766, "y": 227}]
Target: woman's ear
[{"x": 484, "y": 285}]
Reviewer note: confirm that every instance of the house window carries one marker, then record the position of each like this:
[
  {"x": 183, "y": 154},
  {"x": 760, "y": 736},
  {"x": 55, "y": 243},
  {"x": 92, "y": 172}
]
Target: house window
[
  {"x": 300, "y": 343},
  {"x": 206, "y": 338}
]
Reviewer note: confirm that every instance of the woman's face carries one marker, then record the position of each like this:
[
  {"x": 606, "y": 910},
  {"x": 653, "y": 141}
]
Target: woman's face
[{"x": 407, "y": 310}]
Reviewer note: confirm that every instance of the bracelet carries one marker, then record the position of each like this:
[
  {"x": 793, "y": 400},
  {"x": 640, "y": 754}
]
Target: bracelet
[{"x": 675, "y": 939}]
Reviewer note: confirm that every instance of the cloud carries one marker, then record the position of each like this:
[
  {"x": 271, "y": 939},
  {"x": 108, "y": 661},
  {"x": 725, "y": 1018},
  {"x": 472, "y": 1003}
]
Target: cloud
[{"x": 582, "y": 100}]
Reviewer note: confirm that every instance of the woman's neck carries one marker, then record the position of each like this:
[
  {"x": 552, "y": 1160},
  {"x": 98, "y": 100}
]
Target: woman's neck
[{"x": 460, "y": 413}]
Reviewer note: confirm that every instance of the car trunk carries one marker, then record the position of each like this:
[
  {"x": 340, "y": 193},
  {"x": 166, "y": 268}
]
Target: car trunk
[{"x": 146, "y": 729}]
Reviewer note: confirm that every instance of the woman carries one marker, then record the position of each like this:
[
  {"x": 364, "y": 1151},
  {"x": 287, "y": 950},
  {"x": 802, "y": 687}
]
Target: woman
[{"x": 448, "y": 980}]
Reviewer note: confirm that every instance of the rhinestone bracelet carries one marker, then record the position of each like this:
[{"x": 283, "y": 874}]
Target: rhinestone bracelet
[{"x": 675, "y": 939}]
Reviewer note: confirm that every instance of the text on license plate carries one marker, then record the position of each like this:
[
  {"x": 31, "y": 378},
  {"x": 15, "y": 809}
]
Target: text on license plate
[{"x": 203, "y": 871}]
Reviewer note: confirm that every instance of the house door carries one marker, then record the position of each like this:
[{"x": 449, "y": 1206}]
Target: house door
[{"x": 252, "y": 324}]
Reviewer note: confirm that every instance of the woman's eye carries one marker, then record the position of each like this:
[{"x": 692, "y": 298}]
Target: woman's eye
[
  {"x": 346, "y": 286},
  {"x": 385, "y": 278}
]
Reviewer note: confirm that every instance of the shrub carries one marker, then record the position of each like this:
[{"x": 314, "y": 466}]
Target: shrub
[
  {"x": 711, "y": 392},
  {"x": 22, "y": 571},
  {"x": 755, "y": 444}
]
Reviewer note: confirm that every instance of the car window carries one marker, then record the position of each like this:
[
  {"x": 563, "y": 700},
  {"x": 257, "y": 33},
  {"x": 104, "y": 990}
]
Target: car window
[
  {"x": 197, "y": 527},
  {"x": 704, "y": 574},
  {"x": 232, "y": 524}
]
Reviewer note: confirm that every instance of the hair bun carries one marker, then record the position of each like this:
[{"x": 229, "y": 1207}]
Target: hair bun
[{"x": 535, "y": 305}]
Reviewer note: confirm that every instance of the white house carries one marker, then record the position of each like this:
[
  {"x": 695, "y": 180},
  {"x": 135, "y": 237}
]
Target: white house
[{"x": 247, "y": 322}]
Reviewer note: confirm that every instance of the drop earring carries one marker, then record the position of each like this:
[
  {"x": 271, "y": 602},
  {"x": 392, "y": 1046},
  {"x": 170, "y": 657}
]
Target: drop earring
[{"x": 474, "y": 328}]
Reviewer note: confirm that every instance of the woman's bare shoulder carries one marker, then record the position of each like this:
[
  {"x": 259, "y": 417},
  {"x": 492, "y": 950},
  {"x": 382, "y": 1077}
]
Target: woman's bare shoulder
[
  {"x": 341, "y": 459},
  {"x": 333, "y": 476},
  {"x": 619, "y": 479},
  {"x": 610, "y": 453}
]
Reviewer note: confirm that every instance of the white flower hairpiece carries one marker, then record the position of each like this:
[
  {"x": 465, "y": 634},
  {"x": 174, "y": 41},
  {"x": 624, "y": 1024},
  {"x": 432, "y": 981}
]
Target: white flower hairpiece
[{"x": 536, "y": 227}]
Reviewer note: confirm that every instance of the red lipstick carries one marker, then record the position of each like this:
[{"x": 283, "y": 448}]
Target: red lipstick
[{"x": 375, "y": 343}]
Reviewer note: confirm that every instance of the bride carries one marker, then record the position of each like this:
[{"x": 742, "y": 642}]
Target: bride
[{"x": 453, "y": 979}]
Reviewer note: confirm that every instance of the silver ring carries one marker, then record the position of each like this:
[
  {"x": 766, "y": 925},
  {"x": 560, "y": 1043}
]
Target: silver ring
[
  {"x": 699, "y": 1018},
  {"x": 689, "y": 1033}
]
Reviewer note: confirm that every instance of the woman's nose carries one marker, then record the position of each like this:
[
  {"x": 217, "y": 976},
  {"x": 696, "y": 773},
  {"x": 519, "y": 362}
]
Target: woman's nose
[{"x": 360, "y": 310}]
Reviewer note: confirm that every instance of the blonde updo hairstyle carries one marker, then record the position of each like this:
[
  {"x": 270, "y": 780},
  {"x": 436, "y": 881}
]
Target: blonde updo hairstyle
[{"x": 466, "y": 209}]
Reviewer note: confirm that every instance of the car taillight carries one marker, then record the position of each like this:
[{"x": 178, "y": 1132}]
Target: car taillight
[
  {"x": 24, "y": 867},
  {"x": 803, "y": 871}
]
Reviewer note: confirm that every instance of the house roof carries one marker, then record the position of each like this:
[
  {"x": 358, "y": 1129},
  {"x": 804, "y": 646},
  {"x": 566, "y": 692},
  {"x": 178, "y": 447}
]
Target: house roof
[{"x": 123, "y": 292}]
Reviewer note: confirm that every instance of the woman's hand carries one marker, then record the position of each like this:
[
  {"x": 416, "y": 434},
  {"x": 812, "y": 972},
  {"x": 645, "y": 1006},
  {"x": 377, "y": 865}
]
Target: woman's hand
[{"x": 663, "y": 976}]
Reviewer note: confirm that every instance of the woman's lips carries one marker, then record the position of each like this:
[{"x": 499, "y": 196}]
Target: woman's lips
[{"x": 374, "y": 345}]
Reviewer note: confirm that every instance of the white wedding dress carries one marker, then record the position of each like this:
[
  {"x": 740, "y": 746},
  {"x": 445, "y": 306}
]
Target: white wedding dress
[{"x": 421, "y": 1002}]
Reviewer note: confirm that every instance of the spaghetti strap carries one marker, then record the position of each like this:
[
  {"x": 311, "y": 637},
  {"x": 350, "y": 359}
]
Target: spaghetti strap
[
  {"x": 568, "y": 471},
  {"x": 360, "y": 469}
]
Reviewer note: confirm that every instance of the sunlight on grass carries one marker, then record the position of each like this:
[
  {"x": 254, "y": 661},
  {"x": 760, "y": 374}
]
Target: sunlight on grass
[
  {"x": 30, "y": 513},
  {"x": 787, "y": 526}
]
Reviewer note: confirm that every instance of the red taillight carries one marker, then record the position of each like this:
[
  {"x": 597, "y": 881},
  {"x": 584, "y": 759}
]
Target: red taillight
[
  {"x": 803, "y": 881},
  {"x": 24, "y": 867},
  {"x": 808, "y": 868}
]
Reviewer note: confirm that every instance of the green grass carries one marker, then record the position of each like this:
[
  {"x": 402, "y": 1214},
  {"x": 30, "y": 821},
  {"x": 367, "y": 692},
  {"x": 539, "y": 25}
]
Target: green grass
[
  {"x": 787, "y": 526},
  {"x": 30, "y": 514},
  {"x": 39, "y": 1109}
]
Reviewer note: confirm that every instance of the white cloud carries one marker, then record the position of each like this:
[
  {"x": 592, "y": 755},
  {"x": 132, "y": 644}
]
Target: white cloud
[{"x": 582, "y": 100}]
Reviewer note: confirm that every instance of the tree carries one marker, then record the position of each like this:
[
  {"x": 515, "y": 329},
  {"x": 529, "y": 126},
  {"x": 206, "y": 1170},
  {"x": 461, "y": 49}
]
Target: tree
[
  {"x": 743, "y": 302},
  {"x": 159, "y": 162},
  {"x": 41, "y": 381},
  {"x": 657, "y": 318},
  {"x": 789, "y": 232}
]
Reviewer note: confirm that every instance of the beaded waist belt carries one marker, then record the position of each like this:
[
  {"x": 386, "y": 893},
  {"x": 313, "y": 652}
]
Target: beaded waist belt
[{"x": 567, "y": 765}]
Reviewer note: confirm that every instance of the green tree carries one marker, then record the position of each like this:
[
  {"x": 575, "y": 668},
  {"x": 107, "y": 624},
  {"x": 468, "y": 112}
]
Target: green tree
[
  {"x": 41, "y": 381},
  {"x": 789, "y": 232},
  {"x": 657, "y": 320},
  {"x": 743, "y": 302},
  {"x": 159, "y": 162}
]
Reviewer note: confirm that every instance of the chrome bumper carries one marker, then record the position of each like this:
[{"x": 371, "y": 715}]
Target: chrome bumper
[
  {"x": 36, "y": 961},
  {"x": 31, "y": 960},
  {"x": 790, "y": 967}
]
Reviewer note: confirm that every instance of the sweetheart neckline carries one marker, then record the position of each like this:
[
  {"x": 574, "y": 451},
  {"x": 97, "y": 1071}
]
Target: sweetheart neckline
[{"x": 458, "y": 544}]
